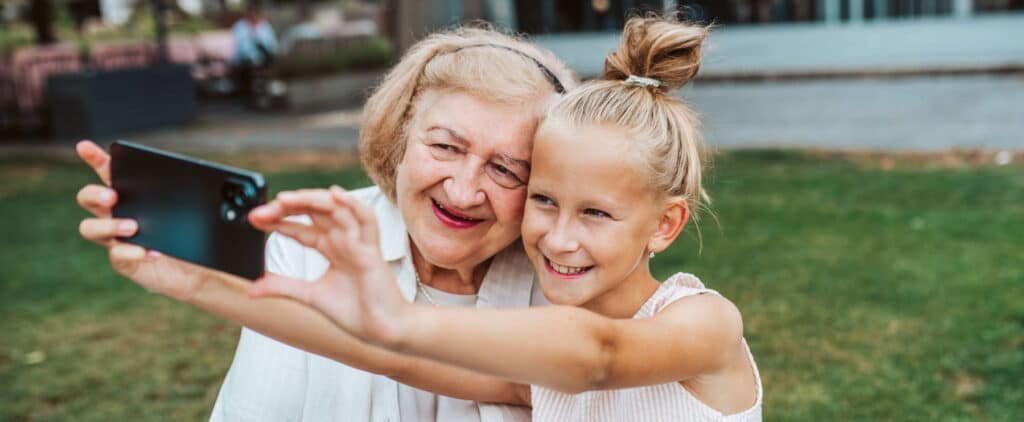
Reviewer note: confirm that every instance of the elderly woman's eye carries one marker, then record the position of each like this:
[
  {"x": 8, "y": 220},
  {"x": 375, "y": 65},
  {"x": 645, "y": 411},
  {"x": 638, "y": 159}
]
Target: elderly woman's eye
[
  {"x": 442, "y": 151},
  {"x": 445, "y": 147},
  {"x": 504, "y": 176}
]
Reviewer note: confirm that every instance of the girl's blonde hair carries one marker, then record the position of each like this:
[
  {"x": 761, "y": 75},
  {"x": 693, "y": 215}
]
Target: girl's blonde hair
[
  {"x": 665, "y": 51},
  {"x": 479, "y": 61}
]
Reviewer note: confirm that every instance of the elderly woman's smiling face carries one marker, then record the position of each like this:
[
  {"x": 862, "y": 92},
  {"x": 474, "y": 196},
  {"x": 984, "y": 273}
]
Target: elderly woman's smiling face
[{"x": 461, "y": 184}]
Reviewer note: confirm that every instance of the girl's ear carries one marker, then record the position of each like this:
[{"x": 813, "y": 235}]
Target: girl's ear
[{"x": 670, "y": 224}]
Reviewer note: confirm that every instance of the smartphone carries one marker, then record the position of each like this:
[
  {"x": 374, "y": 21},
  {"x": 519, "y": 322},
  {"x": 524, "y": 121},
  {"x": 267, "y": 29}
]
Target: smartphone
[{"x": 190, "y": 209}]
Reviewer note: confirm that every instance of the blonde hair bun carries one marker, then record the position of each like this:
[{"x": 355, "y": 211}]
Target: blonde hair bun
[{"x": 663, "y": 49}]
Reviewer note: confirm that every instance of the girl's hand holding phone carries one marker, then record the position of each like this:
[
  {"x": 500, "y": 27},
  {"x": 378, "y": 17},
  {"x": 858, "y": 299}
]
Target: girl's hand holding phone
[{"x": 358, "y": 291}]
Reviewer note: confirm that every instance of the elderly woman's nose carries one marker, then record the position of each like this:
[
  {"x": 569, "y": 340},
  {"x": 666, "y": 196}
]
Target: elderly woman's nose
[{"x": 463, "y": 188}]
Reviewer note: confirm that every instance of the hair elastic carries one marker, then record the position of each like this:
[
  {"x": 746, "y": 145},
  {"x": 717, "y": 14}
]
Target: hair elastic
[
  {"x": 642, "y": 81},
  {"x": 547, "y": 73}
]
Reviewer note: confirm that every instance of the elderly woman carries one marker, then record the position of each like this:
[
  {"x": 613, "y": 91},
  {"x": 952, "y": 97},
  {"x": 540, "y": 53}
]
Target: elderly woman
[{"x": 446, "y": 138}]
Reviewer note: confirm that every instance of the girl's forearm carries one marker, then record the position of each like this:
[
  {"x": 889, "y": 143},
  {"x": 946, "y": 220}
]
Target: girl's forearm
[
  {"x": 560, "y": 347},
  {"x": 305, "y": 328}
]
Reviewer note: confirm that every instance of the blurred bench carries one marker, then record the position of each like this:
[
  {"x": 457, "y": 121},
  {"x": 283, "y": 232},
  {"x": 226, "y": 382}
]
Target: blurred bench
[
  {"x": 109, "y": 103},
  {"x": 8, "y": 99},
  {"x": 122, "y": 55},
  {"x": 31, "y": 66},
  {"x": 323, "y": 47},
  {"x": 215, "y": 49}
]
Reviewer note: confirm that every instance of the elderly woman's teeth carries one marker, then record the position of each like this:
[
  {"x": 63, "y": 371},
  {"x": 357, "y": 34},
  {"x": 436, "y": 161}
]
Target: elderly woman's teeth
[
  {"x": 450, "y": 214},
  {"x": 567, "y": 270}
]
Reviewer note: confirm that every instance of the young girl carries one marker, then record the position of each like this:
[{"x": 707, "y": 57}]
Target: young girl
[{"x": 616, "y": 174}]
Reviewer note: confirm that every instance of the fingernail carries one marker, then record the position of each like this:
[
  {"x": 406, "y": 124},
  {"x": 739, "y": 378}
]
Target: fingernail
[
  {"x": 127, "y": 227},
  {"x": 137, "y": 253},
  {"x": 130, "y": 252},
  {"x": 106, "y": 196}
]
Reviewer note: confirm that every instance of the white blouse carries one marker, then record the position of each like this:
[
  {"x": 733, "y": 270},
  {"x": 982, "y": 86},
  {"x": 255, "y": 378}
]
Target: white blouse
[
  {"x": 419, "y": 405},
  {"x": 271, "y": 381}
]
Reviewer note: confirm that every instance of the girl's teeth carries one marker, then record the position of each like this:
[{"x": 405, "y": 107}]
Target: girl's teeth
[{"x": 566, "y": 270}]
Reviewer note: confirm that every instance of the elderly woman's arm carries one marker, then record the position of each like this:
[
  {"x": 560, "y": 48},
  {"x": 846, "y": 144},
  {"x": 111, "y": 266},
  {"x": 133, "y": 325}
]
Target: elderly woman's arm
[{"x": 226, "y": 296}]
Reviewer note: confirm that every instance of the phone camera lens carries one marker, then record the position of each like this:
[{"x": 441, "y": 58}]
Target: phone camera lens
[{"x": 239, "y": 195}]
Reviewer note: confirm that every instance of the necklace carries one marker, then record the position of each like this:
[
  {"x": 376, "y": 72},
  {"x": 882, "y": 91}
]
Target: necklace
[{"x": 423, "y": 289}]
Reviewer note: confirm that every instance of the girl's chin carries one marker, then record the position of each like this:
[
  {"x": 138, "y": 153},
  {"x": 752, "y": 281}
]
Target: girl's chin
[{"x": 563, "y": 298}]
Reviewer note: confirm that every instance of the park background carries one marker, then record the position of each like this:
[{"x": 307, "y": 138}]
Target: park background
[{"x": 867, "y": 185}]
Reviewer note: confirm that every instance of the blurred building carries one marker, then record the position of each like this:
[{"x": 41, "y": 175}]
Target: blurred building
[
  {"x": 889, "y": 74},
  {"x": 555, "y": 16}
]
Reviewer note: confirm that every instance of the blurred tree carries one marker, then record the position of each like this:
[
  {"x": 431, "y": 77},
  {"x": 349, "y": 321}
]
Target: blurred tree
[
  {"x": 409, "y": 22},
  {"x": 406, "y": 21},
  {"x": 41, "y": 14},
  {"x": 472, "y": 9}
]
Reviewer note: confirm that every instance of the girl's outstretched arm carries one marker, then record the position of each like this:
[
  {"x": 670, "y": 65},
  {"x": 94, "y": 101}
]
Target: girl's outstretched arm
[
  {"x": 571, "y": 349},
  {"x": 305, "y": 328},
  {"x": 560, "y": 347}
]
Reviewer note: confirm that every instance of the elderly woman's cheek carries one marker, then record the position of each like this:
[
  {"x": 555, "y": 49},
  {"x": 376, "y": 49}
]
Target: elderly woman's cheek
[{"x": 509, "y": 206}]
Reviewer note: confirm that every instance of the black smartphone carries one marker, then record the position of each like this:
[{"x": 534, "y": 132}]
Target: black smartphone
[{"x": 190, "y": 209}]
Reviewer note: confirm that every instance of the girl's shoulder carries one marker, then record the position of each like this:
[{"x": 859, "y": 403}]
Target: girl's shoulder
[
  {"x": 673, "y": 289},
  {"x": 684, "y": 301}
]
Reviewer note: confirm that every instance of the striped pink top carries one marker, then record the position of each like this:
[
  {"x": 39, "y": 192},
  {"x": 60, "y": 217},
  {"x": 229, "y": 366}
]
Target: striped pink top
[{"x": 663, "y": 402}]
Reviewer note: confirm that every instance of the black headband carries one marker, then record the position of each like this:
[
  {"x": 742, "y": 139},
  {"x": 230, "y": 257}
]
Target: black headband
[{"x": 547, "y": 73}]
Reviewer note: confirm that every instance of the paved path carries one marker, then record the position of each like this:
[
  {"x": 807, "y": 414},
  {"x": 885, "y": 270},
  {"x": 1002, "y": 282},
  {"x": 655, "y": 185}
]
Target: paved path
[
  {"x": 894, "y": 114},
  {"x": 329, "y": 130},
  {"x": 982, "y": 41},
  {"x": 231, "y": 132},
  {"x": 919, "y": 114}
]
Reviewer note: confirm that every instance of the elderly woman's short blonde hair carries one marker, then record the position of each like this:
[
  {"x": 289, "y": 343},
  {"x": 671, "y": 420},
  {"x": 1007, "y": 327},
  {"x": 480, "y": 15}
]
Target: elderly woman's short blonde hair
[{"x": 477, "y": 61}]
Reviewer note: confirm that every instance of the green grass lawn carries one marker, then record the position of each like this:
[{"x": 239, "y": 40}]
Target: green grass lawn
[{"x": 867, "y": 295}]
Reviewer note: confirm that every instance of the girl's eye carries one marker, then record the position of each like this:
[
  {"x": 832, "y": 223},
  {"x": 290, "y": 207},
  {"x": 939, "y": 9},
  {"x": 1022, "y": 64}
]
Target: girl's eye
[
  {"x": 542, "y": 200},
  {"x": 596, "y": 213}
]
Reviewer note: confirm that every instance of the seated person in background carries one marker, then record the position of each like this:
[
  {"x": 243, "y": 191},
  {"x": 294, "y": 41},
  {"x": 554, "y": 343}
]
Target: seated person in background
[{"x": 255, "y": 46}]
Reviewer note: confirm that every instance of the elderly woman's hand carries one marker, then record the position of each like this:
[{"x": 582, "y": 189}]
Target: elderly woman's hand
[
  {"x": 150, "y": 269},
  {"x": 358, "y": 291}
]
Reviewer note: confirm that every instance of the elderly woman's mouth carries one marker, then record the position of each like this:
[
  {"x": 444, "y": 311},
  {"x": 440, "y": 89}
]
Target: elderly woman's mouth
[{"x": 452, "y": 218}]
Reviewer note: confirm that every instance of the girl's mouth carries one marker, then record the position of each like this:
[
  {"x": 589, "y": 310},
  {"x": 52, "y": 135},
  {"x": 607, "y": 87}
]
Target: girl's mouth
[
  {"x": 454, "y": 219},
  {"x": 564, "y": 271}
]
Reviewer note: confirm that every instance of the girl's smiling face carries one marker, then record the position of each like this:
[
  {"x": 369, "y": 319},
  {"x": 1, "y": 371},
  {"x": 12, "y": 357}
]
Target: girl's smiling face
[{"x": 590, "y": 217}]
